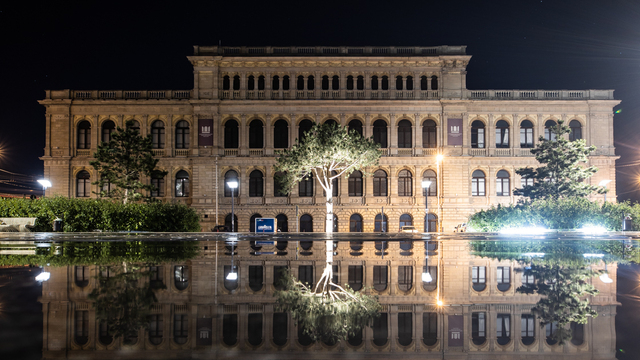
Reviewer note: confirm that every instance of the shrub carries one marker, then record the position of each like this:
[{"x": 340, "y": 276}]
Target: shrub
[
  {"x": 80, "y": 215},
  {"x": 557, "y": 214}
]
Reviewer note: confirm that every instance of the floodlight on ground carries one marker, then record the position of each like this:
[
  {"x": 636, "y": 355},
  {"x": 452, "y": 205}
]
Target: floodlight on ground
[{"x": 43, "y": 276}]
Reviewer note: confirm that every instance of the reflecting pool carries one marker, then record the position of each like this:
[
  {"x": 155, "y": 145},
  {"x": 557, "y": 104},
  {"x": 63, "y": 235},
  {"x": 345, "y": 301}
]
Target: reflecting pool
[{"x": 212, "y": 296}]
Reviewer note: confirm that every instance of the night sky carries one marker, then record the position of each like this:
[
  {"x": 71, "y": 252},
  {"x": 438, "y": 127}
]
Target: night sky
[{"x": 524, "y": 44}]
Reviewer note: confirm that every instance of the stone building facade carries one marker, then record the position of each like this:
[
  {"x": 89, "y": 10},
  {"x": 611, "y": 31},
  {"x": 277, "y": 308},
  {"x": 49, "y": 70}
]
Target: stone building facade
[
  {"x": 201, "y": 315},
  {"x": 248, "y": 103}
]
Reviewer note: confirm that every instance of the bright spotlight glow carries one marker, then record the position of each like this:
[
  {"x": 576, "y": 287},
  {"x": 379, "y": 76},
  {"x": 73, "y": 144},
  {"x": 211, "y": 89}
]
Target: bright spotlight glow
[
  {"x": 593, "y": 255},
  {"x": 232, "y": 276},
  {"x": 527, "y": 230},
  {"x": 426, "y": 184},
  {"x": 606, "y": 279},
  {"x": 232, "y": 184},
  {"x": 426, "y": 277},
  {"x": 533, "y": 254},
  {"x": 439, "y": 157},
  {"x": 45, "y": 183},
  {"x": 43, "y": 276},
  {"x": 591, "y": 229},
  {"x": 604, "y": 182},
  {"x": 439, "y": 302}
]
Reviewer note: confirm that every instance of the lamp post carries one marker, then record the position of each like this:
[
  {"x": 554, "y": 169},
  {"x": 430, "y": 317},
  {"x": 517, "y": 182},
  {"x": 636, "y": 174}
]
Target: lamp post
[
  {"x": 604, "y": 184},
  {"x": 45, "y": 184},
  {"x": 605, "y": 276},
  {"x": 233, "y": 184},
  {"x": 426, "y": 277},
  {"x": 232, "y": 275}
]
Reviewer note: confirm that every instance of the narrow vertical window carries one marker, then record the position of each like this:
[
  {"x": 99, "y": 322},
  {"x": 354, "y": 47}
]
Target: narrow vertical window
[
  {"x": 503, "y": 278},
  {"x": 477, "y": 134},
  {"x": 478, "y": 183},
  {"x": 255, "y": 184},
  {"x": 405, "y": 328},
  {"x": 502, "y": 134},
  {"x": 182, "y": 184},
  {"x": 83, "y": 184},
  {"x": 108, "y": 127},
  {"x": 380, "y": 133},
  {"x": 256, "y": 134},
  {"x": 231, "y": 134},
  {"x": 526, "y": 134},
  {"x": 503, "y": 183},
  {"x": 404, "y": 134},
  {"x": 379, "y": 183},
  {"x": 180, "y": 328},
  {"x": 527, "y": 328},
  {"x": 478, "y": 328},
  {"x": 548, "y": 134},
  {"x": 430, "y": 328},
  {"x": 576, "y": 130},
  {"x": 503, "y": 328},
  {"x": 81, "y": 327},
  {"x": 355, "y": 223},
  {"x": 355, "y": 183},
  {"x": 380, "y": 278},
  {"x": 229, "y": 176},
  {"x": 405, "y": 183},
  {"x": 182, "y": 135},
  {"x": 84, "y": 135},
  {"x": 157, "y": 135},
  {"x": 478, "y": 278},
  {"x": 429, "y": 134},
  {"x": 281, "y": 134},
  {"x": 355, "y": 277},
  {"x": 432, "y": 190},
  {"x": 405, "y": 278}
]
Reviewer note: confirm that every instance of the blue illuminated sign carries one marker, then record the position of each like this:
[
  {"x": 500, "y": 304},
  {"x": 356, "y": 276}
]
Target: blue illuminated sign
[{"x": 266, "y": 225}]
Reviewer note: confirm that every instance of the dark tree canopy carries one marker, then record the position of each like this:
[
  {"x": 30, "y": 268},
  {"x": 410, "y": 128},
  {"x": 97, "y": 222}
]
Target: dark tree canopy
[
  {"x": 122, "y": 162},
  {"x": 561, "y": 173}
]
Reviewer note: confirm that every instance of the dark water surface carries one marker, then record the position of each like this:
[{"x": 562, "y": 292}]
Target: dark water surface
[{"x": 170, "y": 296}]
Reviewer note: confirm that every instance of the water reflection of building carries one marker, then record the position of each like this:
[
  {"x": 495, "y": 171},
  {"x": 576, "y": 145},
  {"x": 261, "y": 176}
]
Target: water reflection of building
[{"x": 203, "y": 315}]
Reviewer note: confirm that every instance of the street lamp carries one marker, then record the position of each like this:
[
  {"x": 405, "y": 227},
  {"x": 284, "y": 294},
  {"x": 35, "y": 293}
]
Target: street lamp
[
  {"x": 233, "y": 184},
  {"x": 426, "y": 277},
  {"x": 45, "y": 184},
  {"x": 605, "y": 277},
  {"x": 604, "y": 183}
]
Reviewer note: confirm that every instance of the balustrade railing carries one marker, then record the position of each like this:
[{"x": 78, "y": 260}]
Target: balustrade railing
[
  {"x": 158, "y": 152},
  {"x": 230, "y": 152},
  {"x": 478, "y": 152},
  {"x": 256, "y": 152},
  {"x": 83, "y": 152},
  {"x": 503, "y": 152},
  {"x": 182, "y": 152}
]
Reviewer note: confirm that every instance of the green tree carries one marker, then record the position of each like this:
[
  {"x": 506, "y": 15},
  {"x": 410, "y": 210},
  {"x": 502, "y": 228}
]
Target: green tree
[
  {"x": 561, "y": 174},
  {"x": 327, "y": 152},
  {"x": 122, "y": 162}
]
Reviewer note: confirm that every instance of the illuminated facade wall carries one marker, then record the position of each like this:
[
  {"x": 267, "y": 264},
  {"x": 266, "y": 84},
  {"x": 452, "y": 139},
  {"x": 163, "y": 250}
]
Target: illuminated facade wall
[
  {"x": 249, "y": 103},
  {"x": 200, "y": 314}
]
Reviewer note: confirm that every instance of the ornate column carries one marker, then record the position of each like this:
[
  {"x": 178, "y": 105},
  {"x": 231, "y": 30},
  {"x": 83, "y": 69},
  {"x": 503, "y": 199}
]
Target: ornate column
[
  {"x": 243, "y": 140},
  {"x": 393, "y": 135}
]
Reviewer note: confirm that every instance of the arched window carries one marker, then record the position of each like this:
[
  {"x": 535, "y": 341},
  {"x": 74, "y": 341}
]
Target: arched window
[
  {"x": 311, "y": 82},
  {"x": 231, "y": 175},
  {"x": 576, "y": 130},
  {"x": 478, "y": 278},
  {"x": 374, "y": 82},
  {"x": 256, "y": 134},
  {"x": 548, "y": 135},
  {"x": 278, "y": 190},
  {"x": 355, "y": 125},
  {"x": 255, "y": 184},
  {"x": 503, "y": 328},
  {"x": 285, "y": 83},
  {"x": 477, "y": 134},
  {"x": 226, "y": 83},
  {"x": 254, "y": 329},
  {"x": 379, "y": 183},
  {"x": 83, "y": 184},
  {"x": 227, "y": 222},
  {"x": 502, "y": 134},
  {"x": 429, "y": 134},
  {"x": 181, "y": 276},
  {"x": 434, "y": 82},
  {"x": 430, "y": 328},
  {"x": 325, "y": 82},
  {"x": 261, "y": 82},
  {"x": 281, "y": 134},
  {"x": 404, "y": 134},
  {"x": 355, "y": 183},
  {"x": 275, "y": 83},
  {"x": 405, "y": 328},
  {"x": 380, "y": 278},
  {"x": 478, "y": 183},
  {"x": 502, "y": 184},
  {"x": 331, "y": 122},
  {"x": 527, "y": 328},
  {"x": 409, "y": 82},
  {"x": 360, "y": 82},
  {"x": 304, "y": 126},
  {"x": 479, "y": 327},
  {"x": 230, "y": 284},
  {"x": 157, "y": 134},
  {"x": 405, "y": 183},
  {"x": 81, "y": 333},
  {"x": 230, "y": 329},
  {"x": 405, "y": 220},
  {"x": 252, "y": 222},
  {"x": 305, "y": 186},
  {"x": 155, "y": 328},
  {"x": 526, "y": 134},
  {"x": 355, "y": 277},
  {"x": 577, "y": 333},
  {"x": 349, "y": 82},
  {"x": 108, "y": 127},
  {"x": 280, "y": 326},
  {"x": 503, "y": 278},
  {"x": 355, "y": 223},
  {"x": 306, "y": 223},
  {"x": 431, "y": 223},
  {"x": 283, "y": 223},
  {"x": 231, "y": 134},
  {"x": 398, "y": 82},
  {"x": 251, "y": 83},
  {"x": 380, "y": 224},
  {"x": 182, "y": 135},
  {"x": 300, "y": 83},
  {"x": 335, "y": 82},
  {"x": 424, "y": 85},
  {"x": 236, "y": 82},
  {"x": 104, "y": 336},
  {"x": 405, "y": 278},
  {"x": 430, "y": 175},
  {"x": 380, "y": 133},
  {"x": 256, "y": 277},
  {"x": 380, "y": 330},
  {"x": 385, "y": 82},
  {"x": 84, "y": 135},
  {"x": 182, "y": 184},
  {"x": 82, "y": 276}
]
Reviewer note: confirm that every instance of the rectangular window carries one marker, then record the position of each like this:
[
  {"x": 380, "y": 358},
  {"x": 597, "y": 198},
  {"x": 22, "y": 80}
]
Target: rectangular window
[
  {"x": 405, "y": 277},
  {"x": 379, "y": 278},
  {"x": 430, "y": 328},
  {"x": 502, "y": 187},
  {"x": 527, "y": 325},
  {"x": 305, "y": 274},
  {"x": 478, "y": 325},
  {"x": 355, "y": 277},
  {"x": 527, "y": 278},
  {"x": 82, "y": 326},
  {"x": 255, "y": 277},
  {"x": 477, "y": 187},
  {"x": 405, "y": 328},
  {"x": 180, "y": 326},
  {"x": 503, "y": 326},
  {"x": 478, "y": 275},
  {"x": 158, "y": 184},
  {"x": 503, "y": 278},
  {"x": 155, "y": 326}
]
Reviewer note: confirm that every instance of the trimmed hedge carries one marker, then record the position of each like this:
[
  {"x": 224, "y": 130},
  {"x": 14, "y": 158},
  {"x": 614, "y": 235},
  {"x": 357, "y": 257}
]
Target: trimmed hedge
[
  {"x": 80, "y": 215},
  {"x": 559, "y": 214}
]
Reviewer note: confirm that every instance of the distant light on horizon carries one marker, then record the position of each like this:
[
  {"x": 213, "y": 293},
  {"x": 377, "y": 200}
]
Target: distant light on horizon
[{"x": 591, "y": 229}]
